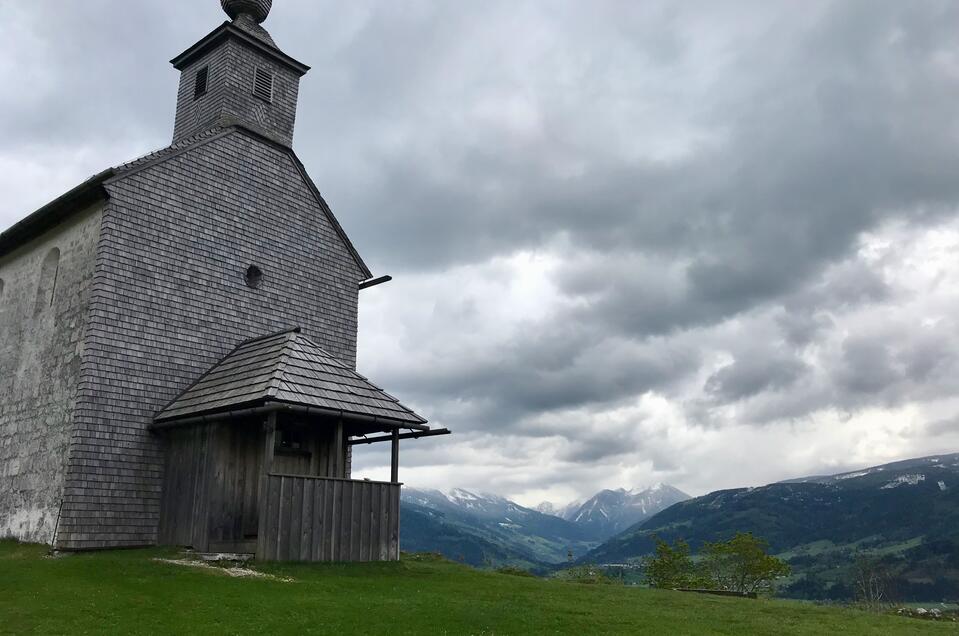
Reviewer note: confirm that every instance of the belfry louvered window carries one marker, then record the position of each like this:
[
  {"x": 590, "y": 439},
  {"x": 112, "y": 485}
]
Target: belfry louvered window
[
  {"x": 199, "y": 87},
  {"x": 263, "y": 84}
]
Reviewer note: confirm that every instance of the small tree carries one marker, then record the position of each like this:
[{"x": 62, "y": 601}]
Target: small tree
[
  {"x": 870, "y": 579},
  {"x": 671, "y": 567},
  {"x": 742, "y": 565}
]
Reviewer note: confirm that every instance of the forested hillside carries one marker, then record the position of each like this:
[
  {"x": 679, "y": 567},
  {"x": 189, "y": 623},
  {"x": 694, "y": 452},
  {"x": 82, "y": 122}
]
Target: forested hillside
[{"x": 905, "y": 515}]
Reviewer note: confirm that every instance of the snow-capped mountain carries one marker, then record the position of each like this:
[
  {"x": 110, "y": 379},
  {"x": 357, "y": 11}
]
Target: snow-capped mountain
[
  {"x": 482, "y": 505},
  {"x": 609, "y": 512},
  {"x": 563, "y": 512},
  {"x": 908, "y": 472},
  {"x": 483, "y": 528},
  {"x": 547, "y": 508},
  {"x": 487, "y": 527}
]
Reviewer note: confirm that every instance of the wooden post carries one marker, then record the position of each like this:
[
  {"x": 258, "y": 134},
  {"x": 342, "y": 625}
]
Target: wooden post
[
  {"x": 269, "y": 444},
  {"x": 340, "y": 455},
  {"x": 395, "y": 463}
]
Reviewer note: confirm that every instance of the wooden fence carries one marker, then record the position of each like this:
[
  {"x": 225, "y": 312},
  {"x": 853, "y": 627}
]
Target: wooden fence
[{"x": 324, "y": 519}]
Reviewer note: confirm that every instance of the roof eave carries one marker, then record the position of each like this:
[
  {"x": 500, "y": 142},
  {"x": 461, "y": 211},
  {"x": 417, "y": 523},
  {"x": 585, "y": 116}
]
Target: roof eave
[
  {"x": 85, "y": 194},
  {"x": 364, "y": 269},
  {"x": 274, "y": 406},
  {"x": 228, "y": 30}
]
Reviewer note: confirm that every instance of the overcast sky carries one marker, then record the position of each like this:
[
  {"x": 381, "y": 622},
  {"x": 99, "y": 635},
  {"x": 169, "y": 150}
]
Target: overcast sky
[{"x": 707, "y": 243}]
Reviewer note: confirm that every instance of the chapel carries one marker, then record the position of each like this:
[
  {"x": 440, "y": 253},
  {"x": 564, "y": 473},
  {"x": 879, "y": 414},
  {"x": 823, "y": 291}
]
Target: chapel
[{"x": 178, "y": 340}]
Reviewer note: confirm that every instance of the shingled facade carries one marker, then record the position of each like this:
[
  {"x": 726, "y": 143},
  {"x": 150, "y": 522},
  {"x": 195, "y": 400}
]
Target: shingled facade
[{"x": 165, "y": 265}]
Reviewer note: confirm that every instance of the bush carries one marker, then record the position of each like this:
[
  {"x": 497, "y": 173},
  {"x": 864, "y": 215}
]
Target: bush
[
  {"x": 424, "y": 557},
  {"x": 739, "y": 565},
  {"x": 514, "y": 571},
  {"x": 672, "y": 567},
  {"x": 585, "y": 574}
]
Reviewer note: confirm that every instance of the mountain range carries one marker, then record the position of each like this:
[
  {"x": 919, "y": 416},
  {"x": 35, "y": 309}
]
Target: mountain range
[
  {"x": 903, "y": 515},
  {"x": 609, "y": 512},
  {"x": 488, "y": 530}
]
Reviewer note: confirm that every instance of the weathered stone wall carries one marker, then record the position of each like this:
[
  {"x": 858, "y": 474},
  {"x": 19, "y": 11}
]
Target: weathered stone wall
[
  {"x": 170, "y": 300},
  {"x": 42, "y": 313}
]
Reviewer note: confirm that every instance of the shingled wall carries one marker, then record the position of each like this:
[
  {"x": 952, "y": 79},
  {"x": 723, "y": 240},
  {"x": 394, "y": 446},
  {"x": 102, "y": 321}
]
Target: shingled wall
[
  {"x": 170, "y": 299},
  {"x": 230, "y": 94},
  {"x": 41, "y": 336}
]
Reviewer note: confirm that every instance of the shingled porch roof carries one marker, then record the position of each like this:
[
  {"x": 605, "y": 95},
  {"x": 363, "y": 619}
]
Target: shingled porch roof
[{"x": 287, "y": 369}]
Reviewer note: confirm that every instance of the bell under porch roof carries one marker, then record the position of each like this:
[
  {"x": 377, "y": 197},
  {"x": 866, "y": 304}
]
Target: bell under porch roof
[{"x": 287, "y": 369}]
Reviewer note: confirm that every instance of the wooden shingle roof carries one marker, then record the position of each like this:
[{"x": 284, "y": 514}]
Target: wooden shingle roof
[{"x": 286, "y": 368}]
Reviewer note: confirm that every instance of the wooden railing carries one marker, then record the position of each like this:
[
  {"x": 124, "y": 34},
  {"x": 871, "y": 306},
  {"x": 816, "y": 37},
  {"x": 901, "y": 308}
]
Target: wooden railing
[{"x": 323, "y": 519}]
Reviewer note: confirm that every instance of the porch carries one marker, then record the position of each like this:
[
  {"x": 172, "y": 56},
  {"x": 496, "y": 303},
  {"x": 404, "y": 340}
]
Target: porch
[{"x": 251, "y": 469}]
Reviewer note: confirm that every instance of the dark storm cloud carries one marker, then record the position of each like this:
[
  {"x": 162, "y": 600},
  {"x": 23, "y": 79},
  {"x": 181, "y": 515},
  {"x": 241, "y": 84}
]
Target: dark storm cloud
[
  {"x": 752, "y": 374},
  {"x": 108, "y": 57},
  {"x": 823, "y": 124},
  {"x": 541, "y": 372},
  {"x": 883, "y": 366},
  {"x": 867, "y": 366},
  {"x": 800, "y": 326},
  {"x": 943, "y": 427},
  {"x": 599, "y": 448},
  {"x": 826, "y": 125},
  {"x": 876, "y": 363}
]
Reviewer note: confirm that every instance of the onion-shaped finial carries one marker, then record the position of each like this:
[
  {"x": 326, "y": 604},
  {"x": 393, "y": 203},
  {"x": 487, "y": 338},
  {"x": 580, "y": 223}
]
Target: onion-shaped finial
[{"x": 256, "y": 9}]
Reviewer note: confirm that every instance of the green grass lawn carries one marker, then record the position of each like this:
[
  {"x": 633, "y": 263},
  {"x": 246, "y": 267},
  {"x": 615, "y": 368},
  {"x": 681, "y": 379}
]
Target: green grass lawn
[{"x": 128, "y": 592}]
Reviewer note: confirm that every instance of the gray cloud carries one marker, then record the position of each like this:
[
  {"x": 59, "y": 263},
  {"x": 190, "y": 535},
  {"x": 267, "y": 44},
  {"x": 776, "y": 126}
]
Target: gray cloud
[
  {"x": 751, "y": 375},
  {"x": 867, "y": 366},
  {"x": 943, "y": 427},
  {"x": 543, "y": 372}
]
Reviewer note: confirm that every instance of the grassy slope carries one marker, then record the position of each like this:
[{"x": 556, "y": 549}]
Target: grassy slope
[{"x": 128, "y": 592}]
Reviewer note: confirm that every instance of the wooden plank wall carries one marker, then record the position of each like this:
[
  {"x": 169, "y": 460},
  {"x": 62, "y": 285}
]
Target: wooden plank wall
[
  {"x": 184, "y": 507},
  {"x": 320, "y": 458},
  {"x": 322, "y": 519},
  {"x": 210, "y": 487}
]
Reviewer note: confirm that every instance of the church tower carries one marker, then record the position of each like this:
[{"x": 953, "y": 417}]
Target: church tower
[{"x": 238, "y": 74}]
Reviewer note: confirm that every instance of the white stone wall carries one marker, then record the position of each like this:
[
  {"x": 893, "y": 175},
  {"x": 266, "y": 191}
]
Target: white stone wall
[{"x": 41, "y": 339}]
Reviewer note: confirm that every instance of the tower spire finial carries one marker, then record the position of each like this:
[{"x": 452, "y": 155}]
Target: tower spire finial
[{"x": 256, "y": 9}]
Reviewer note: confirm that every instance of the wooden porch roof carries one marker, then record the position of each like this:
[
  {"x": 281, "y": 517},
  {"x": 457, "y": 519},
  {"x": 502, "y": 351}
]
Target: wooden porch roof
[{"x": 286, "y": 368}]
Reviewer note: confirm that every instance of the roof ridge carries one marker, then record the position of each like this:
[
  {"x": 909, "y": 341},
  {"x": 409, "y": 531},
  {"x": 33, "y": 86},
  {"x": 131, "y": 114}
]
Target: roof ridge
[
  {"x": 345, "y": 366},
  {"x": 280, "y": 370},
  {"x": 270, "y": 335},
  {"x": 84, "y": 194},
  {"x": 336, "y": 360},
  {"x": 196, "y": 382},
  {"x": 175, "y": 146},
  {"x": 332, "y": 357}
]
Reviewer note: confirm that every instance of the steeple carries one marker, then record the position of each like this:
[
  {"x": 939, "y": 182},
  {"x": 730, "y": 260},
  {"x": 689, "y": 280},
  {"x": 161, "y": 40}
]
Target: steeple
[{"x": 237, "y": 74}]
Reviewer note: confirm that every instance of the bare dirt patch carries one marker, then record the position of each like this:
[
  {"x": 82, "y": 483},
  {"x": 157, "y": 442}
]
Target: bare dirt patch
[{"x": 234, "y": 571}]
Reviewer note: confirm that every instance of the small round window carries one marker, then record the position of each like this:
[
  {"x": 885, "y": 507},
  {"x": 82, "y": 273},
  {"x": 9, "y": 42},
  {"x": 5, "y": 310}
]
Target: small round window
[{"x": 254, "y": 277}]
